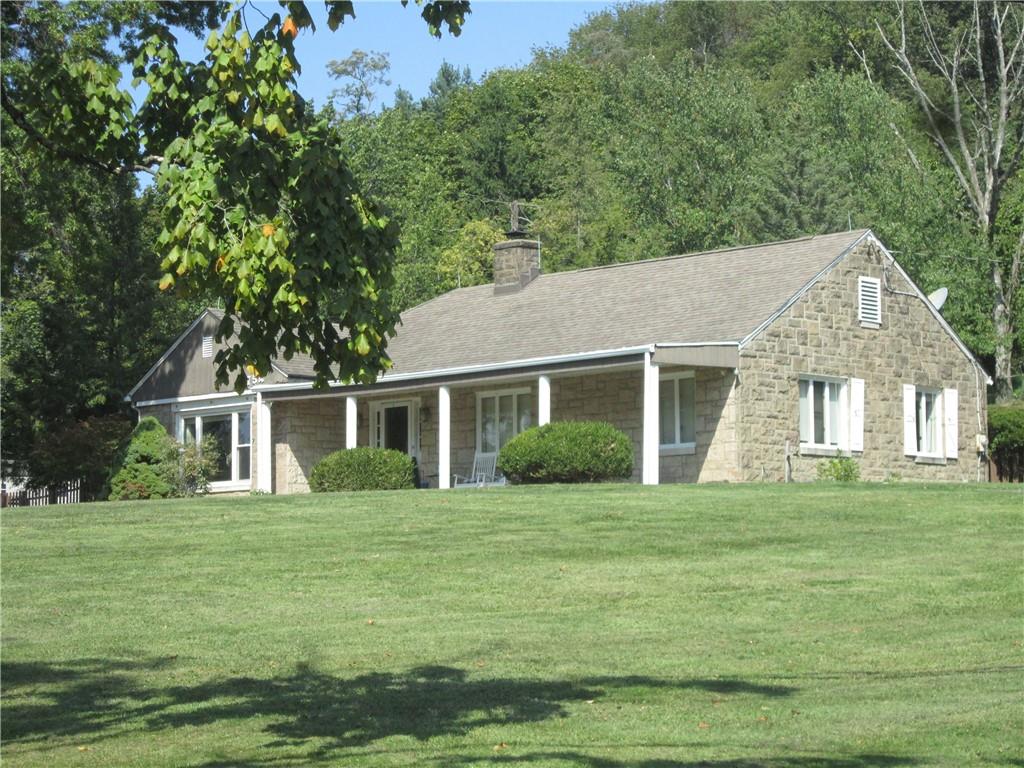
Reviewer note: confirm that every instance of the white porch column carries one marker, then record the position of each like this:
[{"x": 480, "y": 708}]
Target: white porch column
[
  {"x": 264, "y": 446},
  {"x": 351, "y": 421},
  {"x": 649, "y": 472},
  {"x": 543, "y": 400},
  {"x": 444, "y": 438}
]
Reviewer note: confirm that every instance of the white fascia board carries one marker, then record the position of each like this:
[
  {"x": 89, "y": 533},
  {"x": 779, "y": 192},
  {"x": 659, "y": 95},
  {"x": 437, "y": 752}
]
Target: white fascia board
[
  {"x": 470, "y": 369},
  {"x": 931, "y": 308},
  {"x": 165, "y": 355},
  {"x": 807, "y": 286},
  {"x": 246, "y": 396},
  {"x": 697, "y": 344}
]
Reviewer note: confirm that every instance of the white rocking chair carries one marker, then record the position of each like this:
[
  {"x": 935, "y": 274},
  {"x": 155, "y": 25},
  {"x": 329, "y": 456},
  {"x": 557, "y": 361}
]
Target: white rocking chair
[{"x": 484, "y": 473}]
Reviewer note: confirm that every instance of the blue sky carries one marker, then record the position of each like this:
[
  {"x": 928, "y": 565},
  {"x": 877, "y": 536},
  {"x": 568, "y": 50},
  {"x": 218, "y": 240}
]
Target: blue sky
[{"x": 495, "y": 35}]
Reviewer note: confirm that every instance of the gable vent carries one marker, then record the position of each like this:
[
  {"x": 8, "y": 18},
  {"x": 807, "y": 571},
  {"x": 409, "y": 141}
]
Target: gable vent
[
  {"x": 869, "y": 290},
  {"x": 207, "y": 346}
]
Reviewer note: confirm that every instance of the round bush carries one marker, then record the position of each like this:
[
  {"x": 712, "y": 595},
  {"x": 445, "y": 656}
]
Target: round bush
[
  {"x": 362, "y": 469},
  {"x": 567, "y": 452}
]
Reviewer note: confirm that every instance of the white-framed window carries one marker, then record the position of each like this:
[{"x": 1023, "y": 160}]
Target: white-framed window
[
  {"x": 677, "y": 431},
  {"x": 930, "y": 424},
  {"x": 821, "y": 423},
  {"x": 831, "y": 413},
  {"x": 232, "y": 431},
  {"x": 927, "y": 402},
  {"x": 500, "y": 416},
  {"x": 869, "y": 301}
]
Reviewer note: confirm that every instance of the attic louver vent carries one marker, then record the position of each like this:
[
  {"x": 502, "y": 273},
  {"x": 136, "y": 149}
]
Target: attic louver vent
[
  {"x": 869, "y": 290},
  {"x": 207, "y": 346}
]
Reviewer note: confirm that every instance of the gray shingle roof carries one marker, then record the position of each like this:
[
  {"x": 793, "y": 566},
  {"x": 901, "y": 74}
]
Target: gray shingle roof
[{"x": 704, "y": 297}]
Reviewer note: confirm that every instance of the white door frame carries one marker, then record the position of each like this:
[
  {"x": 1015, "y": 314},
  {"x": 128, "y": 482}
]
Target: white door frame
[{"x": 377, "y": 410}]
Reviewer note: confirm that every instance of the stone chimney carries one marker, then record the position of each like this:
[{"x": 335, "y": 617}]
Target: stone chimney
[{"x": 516, "y": 263}]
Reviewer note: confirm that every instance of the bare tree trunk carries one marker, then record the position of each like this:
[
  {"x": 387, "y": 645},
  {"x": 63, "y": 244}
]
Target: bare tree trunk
[
  {"x": 1001, "y": 321},
  {"x": 1004, "y": 321},
  {"x": 977, "y": 128}
]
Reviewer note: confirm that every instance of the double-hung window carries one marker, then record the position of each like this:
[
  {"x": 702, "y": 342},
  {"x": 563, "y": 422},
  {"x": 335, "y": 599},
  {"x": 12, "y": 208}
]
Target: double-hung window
[
  {"x": 927, "y": 422},
  {"x": 500, "y": 416},
  {"x": 677, "y": 412},
  {"x": 831, "y": 414},
  {"x": 232, "y": 434},
  {"x": 930, "y": 429},
  {"x": 822, "y": 412}
]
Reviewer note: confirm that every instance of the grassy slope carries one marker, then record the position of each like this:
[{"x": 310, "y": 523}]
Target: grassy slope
[{"x": 789, "y": 627}]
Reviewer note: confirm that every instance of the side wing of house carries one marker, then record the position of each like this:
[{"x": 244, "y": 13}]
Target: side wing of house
[
  {"x": 180, "y": 391},
  {"x": 860, "y": 366}
]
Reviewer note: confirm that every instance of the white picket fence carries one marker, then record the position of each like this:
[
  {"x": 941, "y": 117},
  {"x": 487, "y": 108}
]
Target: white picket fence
[{"x": 62, "y": 493}]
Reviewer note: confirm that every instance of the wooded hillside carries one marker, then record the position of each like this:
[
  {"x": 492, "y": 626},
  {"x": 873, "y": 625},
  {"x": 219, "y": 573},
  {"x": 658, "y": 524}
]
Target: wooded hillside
[{"x": 659, "y": 129}]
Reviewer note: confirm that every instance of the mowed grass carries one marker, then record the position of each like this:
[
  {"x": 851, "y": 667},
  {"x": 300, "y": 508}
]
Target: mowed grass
[{"x": 606, "y": 627}]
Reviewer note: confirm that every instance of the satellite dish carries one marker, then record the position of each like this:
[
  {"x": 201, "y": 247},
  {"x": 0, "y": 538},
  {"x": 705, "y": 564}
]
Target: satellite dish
[{"x": 938, "y": 298}]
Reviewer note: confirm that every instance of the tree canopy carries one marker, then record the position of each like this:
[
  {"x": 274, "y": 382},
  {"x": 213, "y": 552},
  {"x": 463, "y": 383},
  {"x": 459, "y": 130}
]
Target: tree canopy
[
  {"x": 259, "y": 206},
  {"x": 658, "y": 129}
]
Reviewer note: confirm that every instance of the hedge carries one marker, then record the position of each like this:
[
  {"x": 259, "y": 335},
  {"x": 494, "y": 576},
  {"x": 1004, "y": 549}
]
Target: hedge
[
  {"x": 362, "y": 469},
  {"x": 567, "y": 452},
  {"x": 1006, "y": 439}
]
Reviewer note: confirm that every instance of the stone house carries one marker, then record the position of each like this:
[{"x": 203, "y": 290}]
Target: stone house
[{"x": 741, "y": 364}]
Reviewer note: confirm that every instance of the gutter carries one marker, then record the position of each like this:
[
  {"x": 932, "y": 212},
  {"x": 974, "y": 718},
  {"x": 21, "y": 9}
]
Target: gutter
[{"x": 471, "y": 369}]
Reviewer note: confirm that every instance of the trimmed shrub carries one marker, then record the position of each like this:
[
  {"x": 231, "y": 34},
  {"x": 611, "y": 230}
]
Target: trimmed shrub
[
  {"x": 567, "y": 452},
  {"x": 362, "y": 469},
  {"x": 147, "y": 467},
  {"x": 140, "y": 481},
  {"x": 842, "y": 469},
  {"x": 1006, "y": 439}
]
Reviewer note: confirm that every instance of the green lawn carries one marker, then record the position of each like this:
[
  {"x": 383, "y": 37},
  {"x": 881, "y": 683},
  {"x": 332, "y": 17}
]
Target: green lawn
[{"x": 604, "y": 627}]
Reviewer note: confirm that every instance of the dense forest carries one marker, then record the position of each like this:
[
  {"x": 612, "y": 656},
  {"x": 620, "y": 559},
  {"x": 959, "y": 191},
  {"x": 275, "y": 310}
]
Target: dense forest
[{"x": 659, "y": 129}]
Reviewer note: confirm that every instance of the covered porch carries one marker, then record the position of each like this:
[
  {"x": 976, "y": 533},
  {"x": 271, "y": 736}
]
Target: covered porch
[{"x": 677, "y": 405}]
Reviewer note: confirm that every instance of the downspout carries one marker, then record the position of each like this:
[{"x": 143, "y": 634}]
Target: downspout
[{"x": 982, "y": 452}]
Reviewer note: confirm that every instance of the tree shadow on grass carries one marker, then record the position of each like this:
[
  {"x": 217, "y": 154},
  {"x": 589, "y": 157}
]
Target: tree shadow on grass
[
  {"x": 581, "y": 760},
  {"x": 74, "y": 698},
  {"x": 311, "y": 716}
]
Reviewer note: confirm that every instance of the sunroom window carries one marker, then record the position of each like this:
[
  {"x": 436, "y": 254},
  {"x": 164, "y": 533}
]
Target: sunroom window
[{"x": 232, "y": 433}]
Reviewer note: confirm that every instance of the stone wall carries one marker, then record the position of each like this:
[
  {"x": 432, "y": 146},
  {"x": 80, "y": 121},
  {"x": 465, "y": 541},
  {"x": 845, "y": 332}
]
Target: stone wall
[
  {"x": 304, "y": 431},
  {"x": 821, "y": 334},
  {"x": 617, "y": 398}
]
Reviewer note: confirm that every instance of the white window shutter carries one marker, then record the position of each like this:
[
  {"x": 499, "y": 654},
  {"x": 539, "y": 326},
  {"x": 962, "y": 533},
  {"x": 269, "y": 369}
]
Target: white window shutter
[
  {"x": 856, "y": 414},
  {"x": 950, "y": 405},
  {"x": 909, "y": 421}
]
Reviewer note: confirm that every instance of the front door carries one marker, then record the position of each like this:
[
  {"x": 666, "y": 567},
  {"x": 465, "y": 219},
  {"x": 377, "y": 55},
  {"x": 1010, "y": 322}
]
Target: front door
[{"x": 394, "y": 427}]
